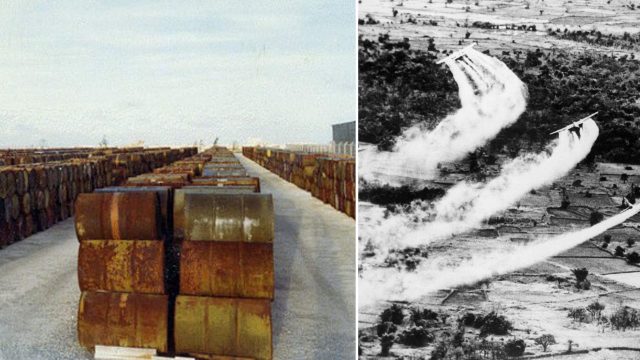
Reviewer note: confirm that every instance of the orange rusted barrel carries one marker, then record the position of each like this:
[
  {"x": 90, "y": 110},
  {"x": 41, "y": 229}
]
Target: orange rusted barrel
[
  {"x": 165, "y": 195},
  {"x": 219, "y": 189},
  {"x": 118, "y": 216},
  {"x": 223, "y": 326},
  {"x": 121, "y": 266},
  {"x": 231, "y": 269},
  {"x": 239, "y": 181},
  {"x": 223, "y": 217},
  {"x": 121, "y": 319}
]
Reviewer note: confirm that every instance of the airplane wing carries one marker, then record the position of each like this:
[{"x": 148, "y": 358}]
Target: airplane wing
[
  {"x": 456, "y": 54},
  {"x": 576, "y": 123}
]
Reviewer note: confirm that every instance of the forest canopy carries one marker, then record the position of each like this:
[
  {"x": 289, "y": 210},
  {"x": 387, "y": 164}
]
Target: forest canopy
[{"x": 400, "y": 86}]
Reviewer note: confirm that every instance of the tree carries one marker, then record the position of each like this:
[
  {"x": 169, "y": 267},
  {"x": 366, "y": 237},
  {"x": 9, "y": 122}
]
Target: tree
[
  {"x": 393, "y": 314},
  {"x": 581, "y": 278},
  {"x": 416, "y": 336},
  {"x": 595, "y": 308},
  {"x": 633, "y": 258},
  {"x": 515, "y": 347},
  {"x": 386, "y": 342},
  {"x": 545, "y": 340},
  {"x": 595, "y": 217},
  {"x": 386, "y": 327},
  {"x": 619, "y": 251},
  {"x": 624, "y": 177},
  {"x": 631, "y": 242},
  {"x": 495, "y": 324}
]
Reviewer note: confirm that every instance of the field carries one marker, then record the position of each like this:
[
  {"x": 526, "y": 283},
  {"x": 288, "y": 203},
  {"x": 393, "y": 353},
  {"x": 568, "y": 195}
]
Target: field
[
  {"x": 413, "y": 21},
  {"x": 536, "y": 300}
]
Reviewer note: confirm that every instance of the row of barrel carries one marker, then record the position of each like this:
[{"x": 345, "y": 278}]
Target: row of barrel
[
  {"x": 330, "y": 178},
  {"x": 33, "y": 197},
  {"x": 179, "y": 260},
  {"x": 45, "y": 155}
]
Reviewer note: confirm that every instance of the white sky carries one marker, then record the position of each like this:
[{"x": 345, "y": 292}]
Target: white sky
[{"x": 72, "y": 72}]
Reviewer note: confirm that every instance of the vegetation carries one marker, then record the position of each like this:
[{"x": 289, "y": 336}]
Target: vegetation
[
  {"x": 545, "y": 340},
  {"x": 633, "y": 258},
  {"x": 581, "y": 278},
  {"x": 393, "y": 314},
  {"x": 625, "y": 318},
  {"x": 416, "y": 336},
  {"x": 407, "y": 258},
  {"x": 386, "y": 342},
  {"x": 490, "y": 324},
  {"x": 594, "y": 37},
  {"x": 400, "y": 87},
  {"x": 388, "y": 195},
  {"x": 515, "y": 347},
  {"x": 595, "y": 217}
]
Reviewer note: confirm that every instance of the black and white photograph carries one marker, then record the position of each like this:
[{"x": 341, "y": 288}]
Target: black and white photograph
[{"x": 498, "y": 171}]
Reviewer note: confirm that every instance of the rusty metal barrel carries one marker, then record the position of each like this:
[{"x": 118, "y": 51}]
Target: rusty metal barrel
[
  {"x": 224, "y": 172},
  {"x": 223, "y": 217},
  {"x": 223, "y": 326},
  {"x": 231, "y": 269},
  {"x": 165, "y": 195},
  {"x": 204, "y": 189},
  {"x": 238, "y": 181},
  {"x": 118, "y": 216},
  {"x": 120, "y": 319},
  {"x": 122, "y": 266}
]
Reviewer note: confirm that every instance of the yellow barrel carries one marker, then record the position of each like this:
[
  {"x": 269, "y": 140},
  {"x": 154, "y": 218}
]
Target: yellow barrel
[
  {"x": 223, "y": 326},
  {"x": 120, "y": 319},
  {"x": 231, "y": 269},
  {"x": 121, "y": 266},
  {"x": 223, "y": 217}
]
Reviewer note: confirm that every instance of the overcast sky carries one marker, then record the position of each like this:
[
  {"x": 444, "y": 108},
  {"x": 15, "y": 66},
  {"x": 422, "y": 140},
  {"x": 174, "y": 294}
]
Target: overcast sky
[{"x": 72, "y": 72}]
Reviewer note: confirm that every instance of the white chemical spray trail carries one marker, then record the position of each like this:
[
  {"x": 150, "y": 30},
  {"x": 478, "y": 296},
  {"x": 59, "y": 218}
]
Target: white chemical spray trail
[
  {"x": 466, "y": 205},
  {"x": 492, "y": 97},
  {"x": 377, "y": 284}
]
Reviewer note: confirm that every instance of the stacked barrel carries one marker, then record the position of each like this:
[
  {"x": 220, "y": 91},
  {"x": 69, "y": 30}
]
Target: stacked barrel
[
  {"x": 330, "y": 178},
  {"x": 334, "y": 183},
  {"x": 34, "y": 196},
  {"x": 226, "y": 230},
  {"x": 217, "y": 260},
  {"x": 121, "y": 270}
]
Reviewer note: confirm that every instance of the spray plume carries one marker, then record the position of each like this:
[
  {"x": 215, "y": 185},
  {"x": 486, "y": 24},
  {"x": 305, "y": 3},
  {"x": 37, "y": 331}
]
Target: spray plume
[
  {"x": 378, "y": 284},
  {"x": 466, "y": 205},
  {"x": 492, "y": 97}
]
